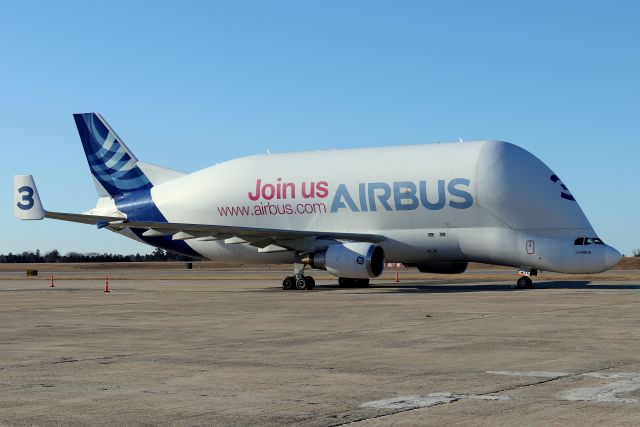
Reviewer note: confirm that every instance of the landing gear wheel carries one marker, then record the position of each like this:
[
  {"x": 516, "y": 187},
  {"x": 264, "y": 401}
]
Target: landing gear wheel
[
  {"x": 310, "y": 282},
  {"x": 524, "y": 282},
  {"x": 529, "y": 283},
  {"x": 288, "y": 283},
  {"x": 301, "y": 284}
]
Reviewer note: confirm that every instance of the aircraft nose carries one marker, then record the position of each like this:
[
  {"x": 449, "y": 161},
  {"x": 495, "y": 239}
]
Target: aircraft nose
[{"x": 611, "y": 256}]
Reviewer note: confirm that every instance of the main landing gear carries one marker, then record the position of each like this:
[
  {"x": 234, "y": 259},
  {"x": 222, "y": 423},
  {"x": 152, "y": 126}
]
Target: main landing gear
[
  {"x": 301, "y": 282},
  {"x": 525, "y": 278},
  {"x": 298, "y": 281}
]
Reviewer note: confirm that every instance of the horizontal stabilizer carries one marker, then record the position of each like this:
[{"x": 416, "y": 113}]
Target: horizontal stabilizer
[{"x": 84, "y": 218}]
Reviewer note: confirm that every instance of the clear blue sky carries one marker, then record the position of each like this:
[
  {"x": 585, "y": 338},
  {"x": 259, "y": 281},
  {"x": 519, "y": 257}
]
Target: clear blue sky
[{"x": 188, "y": 84}]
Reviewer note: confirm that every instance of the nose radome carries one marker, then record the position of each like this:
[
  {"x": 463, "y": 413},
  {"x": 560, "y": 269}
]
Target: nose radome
[{"x": 611, "y": 256}]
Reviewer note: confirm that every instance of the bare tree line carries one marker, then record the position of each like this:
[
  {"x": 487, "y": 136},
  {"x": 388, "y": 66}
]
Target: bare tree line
[{"x": 55, "y": 256}]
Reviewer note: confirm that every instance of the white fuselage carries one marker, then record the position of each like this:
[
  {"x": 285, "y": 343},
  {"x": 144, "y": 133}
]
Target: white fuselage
[{"x": 490, "y": 202}]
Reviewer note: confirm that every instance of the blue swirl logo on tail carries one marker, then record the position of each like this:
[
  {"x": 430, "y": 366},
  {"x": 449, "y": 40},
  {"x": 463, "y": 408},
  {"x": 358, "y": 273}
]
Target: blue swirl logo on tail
[{"x": 110, "y": 161}]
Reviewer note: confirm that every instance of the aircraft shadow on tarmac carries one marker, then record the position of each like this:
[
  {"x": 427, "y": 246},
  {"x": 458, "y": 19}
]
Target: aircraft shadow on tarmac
[
  {"x": 447, "y": 287},
  {"x": 501, "y": 287}
]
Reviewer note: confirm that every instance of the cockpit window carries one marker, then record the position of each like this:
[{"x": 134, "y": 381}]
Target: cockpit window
[{"x": 588, "y": 241}]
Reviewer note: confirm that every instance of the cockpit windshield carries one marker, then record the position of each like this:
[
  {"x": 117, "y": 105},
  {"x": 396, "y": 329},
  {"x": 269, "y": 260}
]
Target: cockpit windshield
[{"x": 580, "y": 241}]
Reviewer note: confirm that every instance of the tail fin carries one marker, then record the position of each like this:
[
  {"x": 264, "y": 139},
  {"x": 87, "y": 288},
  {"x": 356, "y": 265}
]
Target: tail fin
[
  {"x": 114, "y": 167},
  {"x": 26, "y": 201}
]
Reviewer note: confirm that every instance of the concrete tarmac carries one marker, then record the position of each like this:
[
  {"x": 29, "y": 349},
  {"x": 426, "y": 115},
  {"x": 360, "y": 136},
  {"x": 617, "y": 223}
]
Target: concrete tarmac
[{"x": 244, "y": 352}]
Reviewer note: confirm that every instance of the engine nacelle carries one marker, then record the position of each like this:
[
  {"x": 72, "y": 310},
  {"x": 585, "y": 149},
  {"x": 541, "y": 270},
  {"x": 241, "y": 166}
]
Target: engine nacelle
[
  {"x": 442, "y": 267},
  {"x": 355, "y": 260}
]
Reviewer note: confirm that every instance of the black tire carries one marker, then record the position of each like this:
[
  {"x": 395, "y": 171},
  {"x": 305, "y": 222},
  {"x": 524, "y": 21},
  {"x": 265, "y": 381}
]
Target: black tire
[
  {"x": 522, "y": 282},
  {"x": 311, "y": 283},
  {"x": 529, "y": 283},
  {"x": 301, "y": 284},
  {"x": 287, "y": 283}
]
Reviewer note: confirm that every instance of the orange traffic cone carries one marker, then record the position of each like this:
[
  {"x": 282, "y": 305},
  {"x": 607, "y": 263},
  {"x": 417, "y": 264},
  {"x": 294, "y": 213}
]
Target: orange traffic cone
[{"x": 106, "y": 285}]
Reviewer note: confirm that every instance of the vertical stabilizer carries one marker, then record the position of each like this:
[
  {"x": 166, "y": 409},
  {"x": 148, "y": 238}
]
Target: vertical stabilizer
[{"x": 113, "y": 165}]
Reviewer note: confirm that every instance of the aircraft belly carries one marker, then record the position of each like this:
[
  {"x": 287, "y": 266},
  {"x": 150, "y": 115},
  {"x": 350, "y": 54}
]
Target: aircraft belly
[
  {"x": 239, "y": 253},
  {"x": 423, "y": 245}
]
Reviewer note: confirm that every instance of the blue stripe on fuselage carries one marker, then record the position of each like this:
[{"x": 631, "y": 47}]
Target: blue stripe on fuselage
[{"x": 139, "y": 206}]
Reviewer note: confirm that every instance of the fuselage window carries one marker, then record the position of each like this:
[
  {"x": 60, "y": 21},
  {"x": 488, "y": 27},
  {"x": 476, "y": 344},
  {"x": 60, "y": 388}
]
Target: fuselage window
[
  {"x": 598, "y": 241},
  {"x": 579, "y": 241},
  {"x": 588, "y": 241}
]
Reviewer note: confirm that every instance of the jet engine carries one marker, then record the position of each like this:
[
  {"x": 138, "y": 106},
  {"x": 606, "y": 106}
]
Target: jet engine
[
  {"x": 442, "y": 267},
  {"x": 355, "y": 260}
]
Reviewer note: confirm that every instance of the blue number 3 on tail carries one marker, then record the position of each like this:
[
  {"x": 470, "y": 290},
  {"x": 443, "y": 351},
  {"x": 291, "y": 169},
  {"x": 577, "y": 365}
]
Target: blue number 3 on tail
[{"x": 27, "y": 201}]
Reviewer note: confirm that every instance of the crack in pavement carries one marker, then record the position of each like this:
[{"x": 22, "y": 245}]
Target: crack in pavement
[{"x": 458, "y": 397}]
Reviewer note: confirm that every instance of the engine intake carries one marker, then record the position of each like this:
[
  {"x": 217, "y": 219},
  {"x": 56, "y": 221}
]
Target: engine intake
[{"x": 355, "y": 260}]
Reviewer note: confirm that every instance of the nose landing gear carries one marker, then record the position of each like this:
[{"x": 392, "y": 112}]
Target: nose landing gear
[
  {"x": 525, "y": 278},
  {"x": 524, "y": 282}
]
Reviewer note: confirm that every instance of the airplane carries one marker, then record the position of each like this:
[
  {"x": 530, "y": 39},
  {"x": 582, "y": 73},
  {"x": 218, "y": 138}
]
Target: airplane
[{"x": 436, "y": 207}]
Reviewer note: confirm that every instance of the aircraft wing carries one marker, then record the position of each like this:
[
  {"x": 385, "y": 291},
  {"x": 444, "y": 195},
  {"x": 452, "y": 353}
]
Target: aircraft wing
[{"x": 266, "y": 239}]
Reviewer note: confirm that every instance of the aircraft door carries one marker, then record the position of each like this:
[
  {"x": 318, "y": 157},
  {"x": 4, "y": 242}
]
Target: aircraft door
[{"x": 531, "y": 247}]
